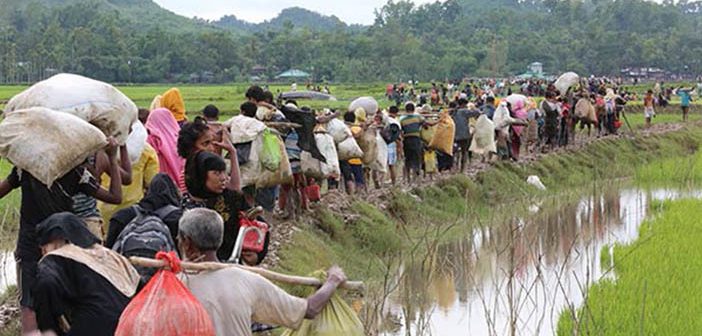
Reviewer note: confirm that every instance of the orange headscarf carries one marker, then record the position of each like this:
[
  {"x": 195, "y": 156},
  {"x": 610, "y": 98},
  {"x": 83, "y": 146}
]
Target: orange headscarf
[{"x": 173, "y": 101}]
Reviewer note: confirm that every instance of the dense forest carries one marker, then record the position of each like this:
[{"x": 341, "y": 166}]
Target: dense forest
[{"x": 137, "y": 41}]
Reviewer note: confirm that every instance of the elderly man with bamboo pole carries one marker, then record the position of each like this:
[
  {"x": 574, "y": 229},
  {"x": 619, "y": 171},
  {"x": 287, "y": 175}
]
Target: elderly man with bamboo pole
[{"x": 235, "y": 297}]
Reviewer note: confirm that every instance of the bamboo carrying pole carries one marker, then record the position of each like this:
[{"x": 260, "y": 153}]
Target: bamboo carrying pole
[{"x": 270, "y": 275}]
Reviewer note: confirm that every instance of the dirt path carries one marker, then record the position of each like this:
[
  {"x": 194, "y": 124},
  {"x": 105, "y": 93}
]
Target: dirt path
[{"x": 282, "y": 231}]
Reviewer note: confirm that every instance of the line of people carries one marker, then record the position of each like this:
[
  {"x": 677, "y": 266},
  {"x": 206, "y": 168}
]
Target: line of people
[{"x": 176, "y": 185}]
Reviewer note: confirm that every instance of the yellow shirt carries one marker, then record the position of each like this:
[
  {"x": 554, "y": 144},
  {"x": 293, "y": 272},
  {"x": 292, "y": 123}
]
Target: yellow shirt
[
  {"x": 143, "y": 171},
  {"x": 356, "y": 131}
]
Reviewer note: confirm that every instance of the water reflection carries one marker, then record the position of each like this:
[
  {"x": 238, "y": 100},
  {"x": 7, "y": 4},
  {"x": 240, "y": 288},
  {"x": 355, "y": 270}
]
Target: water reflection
[
  {"x": 517, "y": 278},
  {"x": 8, "y": 271}
]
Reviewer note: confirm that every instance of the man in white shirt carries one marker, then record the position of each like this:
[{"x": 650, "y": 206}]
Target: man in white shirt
[{"x": 234, "y": 298}]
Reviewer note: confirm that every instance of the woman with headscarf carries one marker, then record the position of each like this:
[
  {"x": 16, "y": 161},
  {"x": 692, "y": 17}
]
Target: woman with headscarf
[
  {"x": 162, "y": 194},
  {"x": 172, "y": 100},
  {"x": 82, "y": 287},
  {"x": 163, "y": 137},
  {"x": 210, "y": 187}
]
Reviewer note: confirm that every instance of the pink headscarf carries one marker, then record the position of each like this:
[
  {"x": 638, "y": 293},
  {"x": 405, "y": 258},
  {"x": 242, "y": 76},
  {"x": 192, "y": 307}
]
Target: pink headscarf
[
  {"x": 520, "y": 112},
  {"x": 163, "y": 137}
]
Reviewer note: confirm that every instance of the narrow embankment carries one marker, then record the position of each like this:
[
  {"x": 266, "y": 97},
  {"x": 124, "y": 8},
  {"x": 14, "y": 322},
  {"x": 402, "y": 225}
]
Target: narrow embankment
[{"x": 364, "y": 234}]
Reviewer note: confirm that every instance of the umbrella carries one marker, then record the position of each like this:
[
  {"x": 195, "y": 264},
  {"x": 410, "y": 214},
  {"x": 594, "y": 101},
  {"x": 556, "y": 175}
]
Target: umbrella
[
  {"x": 514, "y": 98},
  {"x": 566, "y": 80},
  {"x": 313, "y": 95}
]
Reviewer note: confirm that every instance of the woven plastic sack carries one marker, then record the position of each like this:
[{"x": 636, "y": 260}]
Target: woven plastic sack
[
  {"x": 381, "y": 162},
  {"x": 96, "y": 102},
  {"x": 317, "y": 169},
  {"x": 338, "y": 130},
  {"x": 270, "y": 153},
  {"x": 243, "y": 129},
  {"x": 251, "y": 171},
  {"x": 282, "y": 175},
  {"x": 566, "y": 80},
  {"x": 349, "y": 149},
  {"x": 337, "y": 318},
  {"x": 369, "y": 104},
  {"x": 165, "y": 307},
  {"x": 585, "y": 110},
  {"x": 369, "y": 145},
  {"x": 444, "y": 136},
  {"x": 46, "y": 143},
  {"x": 484, "y": 137}
]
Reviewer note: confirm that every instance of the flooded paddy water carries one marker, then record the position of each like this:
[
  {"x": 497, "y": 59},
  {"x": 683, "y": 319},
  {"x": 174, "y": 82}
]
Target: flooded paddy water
[{"x": 516, "y": 278}]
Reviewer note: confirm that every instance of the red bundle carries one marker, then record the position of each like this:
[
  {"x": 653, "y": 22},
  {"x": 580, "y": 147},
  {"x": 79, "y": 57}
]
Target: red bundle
[
  {"x": 165, "y": 307},
  {"x": 254, "y": 234}
]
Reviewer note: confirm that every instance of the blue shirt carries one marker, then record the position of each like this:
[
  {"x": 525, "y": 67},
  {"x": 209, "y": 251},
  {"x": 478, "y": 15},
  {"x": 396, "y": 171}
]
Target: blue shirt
[{"x": 684, "y": 98}]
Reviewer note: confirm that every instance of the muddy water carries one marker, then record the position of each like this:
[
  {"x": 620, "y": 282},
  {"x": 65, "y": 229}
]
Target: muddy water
[{"x": 517, "y": 278}]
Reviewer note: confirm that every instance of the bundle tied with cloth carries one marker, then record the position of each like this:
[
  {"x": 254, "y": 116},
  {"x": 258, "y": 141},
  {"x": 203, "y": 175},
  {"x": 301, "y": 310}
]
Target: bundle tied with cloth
[
  {"x": 263, "y": 160},
  {"x": 337, "y": 318}
]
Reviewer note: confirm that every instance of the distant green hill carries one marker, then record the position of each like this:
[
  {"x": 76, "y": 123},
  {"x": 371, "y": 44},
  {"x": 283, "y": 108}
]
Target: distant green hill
[{"x": 136, "y": 13}]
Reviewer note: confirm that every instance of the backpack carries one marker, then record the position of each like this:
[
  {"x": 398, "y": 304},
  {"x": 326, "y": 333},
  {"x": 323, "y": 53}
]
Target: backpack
[{"x": 144, "y": 236}]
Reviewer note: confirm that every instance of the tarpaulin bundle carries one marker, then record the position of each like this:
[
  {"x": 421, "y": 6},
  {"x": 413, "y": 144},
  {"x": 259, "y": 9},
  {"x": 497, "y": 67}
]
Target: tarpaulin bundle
[
  {"x": 165, "y": 307},
  {"x": 305, "y": 133}
]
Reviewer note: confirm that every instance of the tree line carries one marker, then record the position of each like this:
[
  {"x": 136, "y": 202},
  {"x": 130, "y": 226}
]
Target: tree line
[{"x": 441, "y": 40}]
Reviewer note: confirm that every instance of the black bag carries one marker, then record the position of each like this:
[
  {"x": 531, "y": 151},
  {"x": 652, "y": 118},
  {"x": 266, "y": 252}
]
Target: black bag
[
  {"x": 390, "y": 133},
  {"x": 144, "y": 236}
]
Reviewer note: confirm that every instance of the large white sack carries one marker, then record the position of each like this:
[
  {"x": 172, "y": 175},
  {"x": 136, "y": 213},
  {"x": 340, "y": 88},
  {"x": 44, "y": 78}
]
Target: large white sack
[
  {"x": 96, "y": 102},
  {"x": 314, "y": 168},
  {"x": 516, "y": 97},
  {"x": 566, "y": 80},
  {"x": 243, "y": 129},
  {"x": 349, "y": 149},
  {"x": 484, "y": 137},
  {"x": 252, "y": 169},
  {"x": 338, "y": 130},
  {"x": 381, "y": 163},
  {"x": 48, "y": 144},
  {"x": 369, "y": 104},
  {"x": 136, "y": 141}
]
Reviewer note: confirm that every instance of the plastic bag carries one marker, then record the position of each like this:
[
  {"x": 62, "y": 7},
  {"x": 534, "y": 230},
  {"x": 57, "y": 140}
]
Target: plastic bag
[
  {"x": 165, "y": 307},
  {"x": 337, "y": 318},
  {"x": 96, "y": 102},
  {"x": 349, "y": 149},
  {"x": 136, "y": 141},
  {"x": 381, "y": 162},
  {"x": 484, "y": 138},
  {"x": 282, "y": 175},
  {"x": 270, "y": 153},
  {"x": 46, "y": 143}
]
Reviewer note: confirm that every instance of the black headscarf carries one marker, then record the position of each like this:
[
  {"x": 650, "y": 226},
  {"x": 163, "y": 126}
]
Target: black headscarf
[
  {"x": 162, "y": 192},
  {"x": 196, "y": 168},
  {"x": 66, "y": 226}
]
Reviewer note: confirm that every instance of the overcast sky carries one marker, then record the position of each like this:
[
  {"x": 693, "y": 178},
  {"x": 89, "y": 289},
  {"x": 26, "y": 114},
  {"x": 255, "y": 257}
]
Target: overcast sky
[{"x": 350, "y": 11}]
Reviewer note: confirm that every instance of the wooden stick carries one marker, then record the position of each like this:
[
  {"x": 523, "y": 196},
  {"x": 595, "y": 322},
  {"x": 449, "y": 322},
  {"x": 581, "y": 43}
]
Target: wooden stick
[
  {"x": 282, "y": 124},
  {"x": 270, "y": 275}
]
